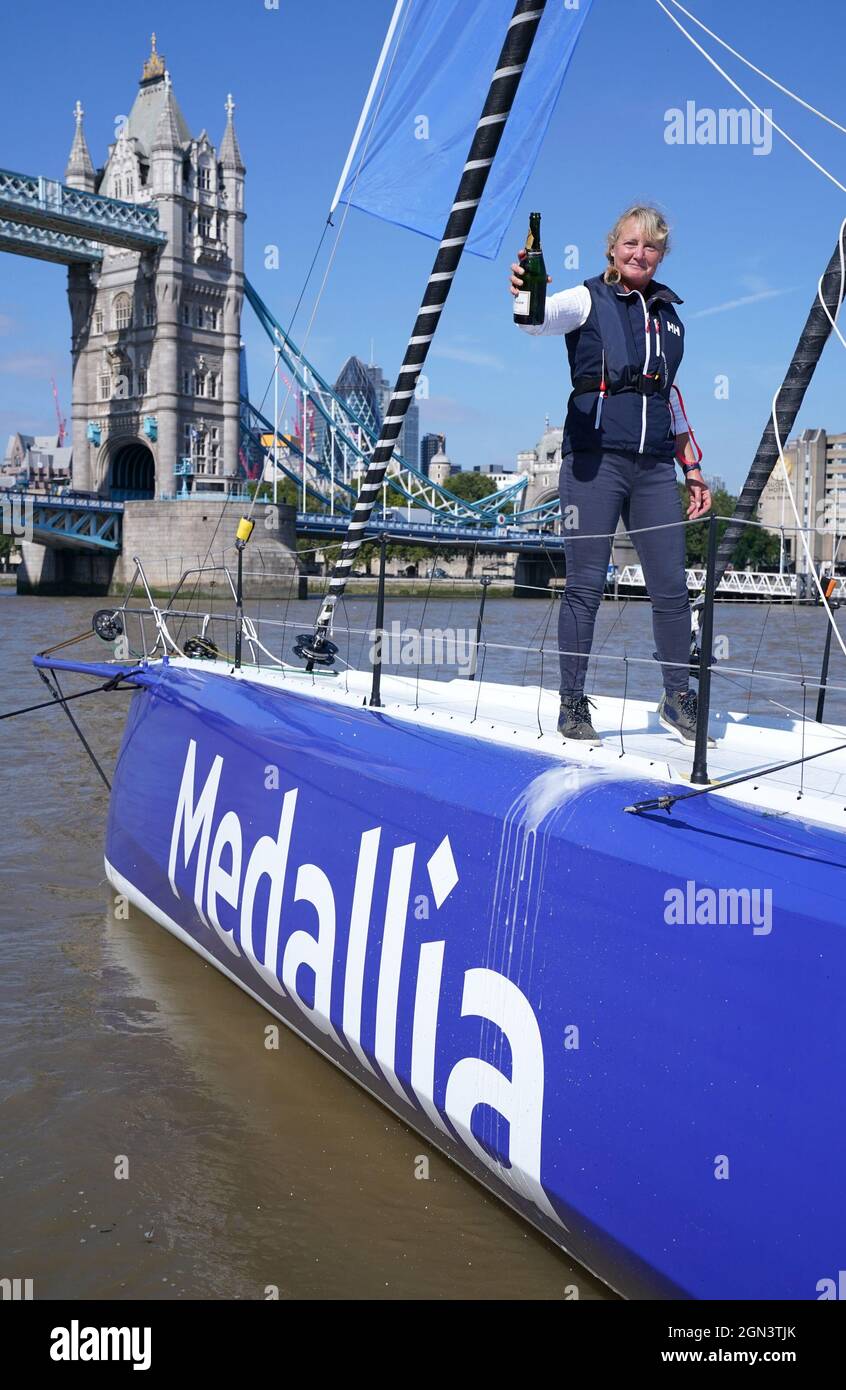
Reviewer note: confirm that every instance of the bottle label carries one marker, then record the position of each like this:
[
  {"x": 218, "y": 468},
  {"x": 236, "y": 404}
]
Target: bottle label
[{"x": 522, "y": 302}]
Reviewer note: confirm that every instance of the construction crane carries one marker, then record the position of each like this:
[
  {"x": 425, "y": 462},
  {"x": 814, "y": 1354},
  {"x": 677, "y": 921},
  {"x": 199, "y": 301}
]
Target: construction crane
[{"x": 63, "y": 425}]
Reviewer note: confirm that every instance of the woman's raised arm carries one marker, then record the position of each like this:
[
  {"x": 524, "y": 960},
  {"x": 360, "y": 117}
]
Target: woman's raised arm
[{"x": 566, "y": 310}]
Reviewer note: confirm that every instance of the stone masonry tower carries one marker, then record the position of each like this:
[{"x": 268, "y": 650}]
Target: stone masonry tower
[{"x": 156, "y": 336}]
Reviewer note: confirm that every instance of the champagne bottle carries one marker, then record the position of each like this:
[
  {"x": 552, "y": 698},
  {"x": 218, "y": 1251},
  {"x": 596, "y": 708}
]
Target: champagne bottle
[{"x": 530, "y": 302}]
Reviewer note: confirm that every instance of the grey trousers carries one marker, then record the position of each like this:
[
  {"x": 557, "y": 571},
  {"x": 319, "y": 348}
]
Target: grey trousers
[{"x": 641, "y": 489}]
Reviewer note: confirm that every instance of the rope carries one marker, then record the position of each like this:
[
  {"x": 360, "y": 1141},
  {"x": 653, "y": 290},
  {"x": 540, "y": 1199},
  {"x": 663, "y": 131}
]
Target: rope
[
  {"x": 228, "y": 499},
  {"x": 488, "y": 134},
  {"x": 811, "y": 566},
  {"x": 760, "y": 71},
  {"x": 666, "y": 803},
  {"x": 332, "y": 255},
  {"x": 113, "y": 684},
  {"x": 761, "y": 112},
  {"x": 820, "y": 294}
]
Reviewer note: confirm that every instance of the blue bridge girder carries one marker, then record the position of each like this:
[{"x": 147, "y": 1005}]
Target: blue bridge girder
[
  {"x": 496, "y": 537},
  {"x": 43, "y": 244},
  {"x": 34, "y": 201},
  {"x": 82, "y": 522},
  {"x": 75, "y": 522},
  {"x": 254, "y": 425},
  {"x": 359, "y": 439}
]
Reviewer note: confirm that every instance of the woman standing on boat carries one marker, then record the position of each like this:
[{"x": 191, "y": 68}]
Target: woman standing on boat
[{"x": 621, "y": 437}]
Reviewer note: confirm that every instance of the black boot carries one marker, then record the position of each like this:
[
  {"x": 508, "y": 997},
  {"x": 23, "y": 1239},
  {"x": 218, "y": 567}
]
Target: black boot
[
  {"x": 574, "y": 719},
  {"x": 677, "y": 712}
]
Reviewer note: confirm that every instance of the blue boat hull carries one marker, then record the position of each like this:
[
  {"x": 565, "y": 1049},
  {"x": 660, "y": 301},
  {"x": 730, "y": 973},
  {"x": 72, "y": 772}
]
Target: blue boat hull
[{"x": 526, "y": 974}]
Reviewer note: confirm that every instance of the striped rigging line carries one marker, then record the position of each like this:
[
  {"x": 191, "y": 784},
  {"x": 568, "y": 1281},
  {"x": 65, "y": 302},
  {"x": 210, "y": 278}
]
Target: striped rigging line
[
  {"x": 348, "y": 204},
  {"x": 760, "y": 71},
  {"x": 829, "y": 316},
  {"x": 820, "y": 295},
  {"x": 768, "y": 118},
  {"x": 781, "y": 459},
  {"x": 488, "y": 133}
]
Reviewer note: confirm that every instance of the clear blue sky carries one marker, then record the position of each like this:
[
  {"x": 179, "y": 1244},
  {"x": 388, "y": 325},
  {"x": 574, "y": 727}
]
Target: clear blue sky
[{"x": 752, "y": 232}]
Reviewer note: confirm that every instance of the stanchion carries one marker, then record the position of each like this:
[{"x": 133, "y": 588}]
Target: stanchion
[
  {"x": 380, "y": 624},
  {"x": 699, "y": 774},
  {"x": 242, "y": 535},
  {"x": 484, "y": 581},
  {"x": 833, "y": 605}
]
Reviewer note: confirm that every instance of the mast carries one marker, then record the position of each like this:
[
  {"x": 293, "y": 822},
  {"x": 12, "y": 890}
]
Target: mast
[
  {"x": 803, "y": 363},
  {"x": 516, "y": 48}
]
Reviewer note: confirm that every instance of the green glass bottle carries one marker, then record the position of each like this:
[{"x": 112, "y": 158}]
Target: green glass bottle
[{"x": 530, "y": 303}]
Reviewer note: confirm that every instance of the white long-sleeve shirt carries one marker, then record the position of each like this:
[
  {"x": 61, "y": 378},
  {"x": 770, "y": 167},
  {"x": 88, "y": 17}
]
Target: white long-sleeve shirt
[{"x": 570, "y": 309}]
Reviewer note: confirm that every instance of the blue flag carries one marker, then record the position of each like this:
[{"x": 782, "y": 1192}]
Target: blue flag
[{"x": 428, "y": 99}]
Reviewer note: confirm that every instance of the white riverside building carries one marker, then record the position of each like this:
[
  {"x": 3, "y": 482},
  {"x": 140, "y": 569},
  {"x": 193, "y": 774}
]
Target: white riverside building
[{"x": 816, "y": 466}]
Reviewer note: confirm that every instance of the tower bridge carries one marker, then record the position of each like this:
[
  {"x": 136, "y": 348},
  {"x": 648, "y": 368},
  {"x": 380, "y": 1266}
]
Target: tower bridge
[
  {"x": 35, "y": 204},
  {"x": 153, "y": 242}
]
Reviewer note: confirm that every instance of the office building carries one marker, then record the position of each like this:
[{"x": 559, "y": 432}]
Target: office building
[{"x": 816, "y": 468}]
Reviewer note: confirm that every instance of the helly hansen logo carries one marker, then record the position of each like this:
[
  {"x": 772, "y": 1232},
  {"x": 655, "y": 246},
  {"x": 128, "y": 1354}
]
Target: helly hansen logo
[{"x": 674, "y": 328}]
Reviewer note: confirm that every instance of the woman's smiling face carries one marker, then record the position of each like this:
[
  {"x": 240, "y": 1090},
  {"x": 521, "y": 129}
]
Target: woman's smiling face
[{"x": 635, "y": 256}]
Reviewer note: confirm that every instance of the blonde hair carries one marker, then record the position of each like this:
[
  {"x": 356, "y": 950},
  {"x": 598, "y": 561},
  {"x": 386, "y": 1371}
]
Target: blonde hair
[{"x": 651, "y": 222}]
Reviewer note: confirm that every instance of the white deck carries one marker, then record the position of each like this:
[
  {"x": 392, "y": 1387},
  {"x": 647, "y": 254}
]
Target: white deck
[{"x": 526, "y": 717}]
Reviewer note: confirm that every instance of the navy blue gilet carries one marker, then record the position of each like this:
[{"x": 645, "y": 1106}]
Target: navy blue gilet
[{"x": 616, "y": 325}]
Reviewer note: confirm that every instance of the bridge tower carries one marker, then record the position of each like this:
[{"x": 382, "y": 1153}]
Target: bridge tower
[{"x": 156, "y": 335}]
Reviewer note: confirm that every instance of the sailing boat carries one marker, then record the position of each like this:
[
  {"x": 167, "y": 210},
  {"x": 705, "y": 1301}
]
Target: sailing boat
[{"x": 610, "y": 991}]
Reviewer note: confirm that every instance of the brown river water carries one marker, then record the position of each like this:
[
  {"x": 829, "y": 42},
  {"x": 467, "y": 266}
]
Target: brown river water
[{"x": 122, "y": 1052}]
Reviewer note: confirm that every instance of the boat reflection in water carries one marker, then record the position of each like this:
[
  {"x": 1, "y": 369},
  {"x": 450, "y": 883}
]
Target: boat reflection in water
[{"x": 316, "y": 1177}]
